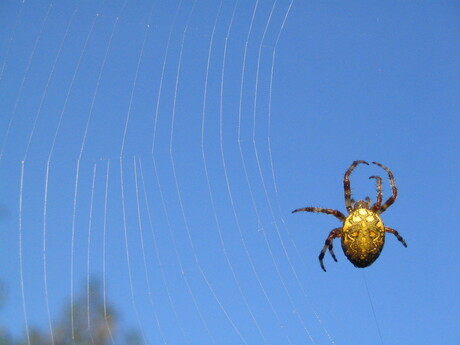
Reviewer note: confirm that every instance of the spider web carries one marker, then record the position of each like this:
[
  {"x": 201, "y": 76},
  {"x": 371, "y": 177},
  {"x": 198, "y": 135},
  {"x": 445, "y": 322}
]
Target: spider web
[{"x": 138, "y": 147}]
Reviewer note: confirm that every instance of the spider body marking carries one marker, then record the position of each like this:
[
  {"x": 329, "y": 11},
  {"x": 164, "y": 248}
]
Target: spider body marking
[
  {"x": 363, "y": 237},
  {"x": 363, "y": 232}
]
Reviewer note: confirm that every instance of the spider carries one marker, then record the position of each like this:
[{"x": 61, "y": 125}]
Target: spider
[{"x": 362, "y": 232}]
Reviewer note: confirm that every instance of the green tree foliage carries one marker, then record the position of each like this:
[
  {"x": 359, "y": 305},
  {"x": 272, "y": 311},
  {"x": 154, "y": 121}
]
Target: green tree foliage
[{"x": 90, "y": 320}]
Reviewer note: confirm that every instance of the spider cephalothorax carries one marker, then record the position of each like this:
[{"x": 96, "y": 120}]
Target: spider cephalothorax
[{"x": 363, "y": 231}]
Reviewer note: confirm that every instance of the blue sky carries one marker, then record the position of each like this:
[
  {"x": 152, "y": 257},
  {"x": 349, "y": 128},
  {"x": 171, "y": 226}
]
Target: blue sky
[{"x": 161, "y": 147}]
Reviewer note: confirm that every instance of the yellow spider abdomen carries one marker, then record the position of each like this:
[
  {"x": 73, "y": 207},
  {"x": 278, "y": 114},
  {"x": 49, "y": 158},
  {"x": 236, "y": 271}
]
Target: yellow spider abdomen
[{"x": 363, "y": 237}]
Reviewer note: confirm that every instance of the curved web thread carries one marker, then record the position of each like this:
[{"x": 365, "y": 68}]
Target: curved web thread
[
  {"x": 138, "y": 206},
  {"x": 176, "y": 252},
  {"x": 10, "y": 41},
  {"x": 227, "y": 179},
  {"x": 21, "y": 188},
  {"x": 125, "y": 227},
  {"x": 179, "y": 195},
  {"x": 46, "y": 183},
  {"x": 48, "y": 164},
  {"x": 149, "y": 284},
  {"x": 37, "y": 116},
  {"x": 275, "y": 264},
  {"x": 162, "y": 197},
  {"x": 178, "y": 257},
  {"x": 88, "y": 254},
  {"x": 275, "y": 188},
  {"x": 141, "y": 191},
  {"x": 240, "y": 105},
  {"x": 21, "y": 265},
  {"x": 245, "y": 168},
  {"x": 139, "y": 218},
  {"x": 270, "y": 159},
  {"x": 104, "y": 256},
  {"x": 77, "y": 176},
  {"x": 211, "y": 197},
  {"x": 128, "y": 259},
  {"x": 23, "y": 81}
]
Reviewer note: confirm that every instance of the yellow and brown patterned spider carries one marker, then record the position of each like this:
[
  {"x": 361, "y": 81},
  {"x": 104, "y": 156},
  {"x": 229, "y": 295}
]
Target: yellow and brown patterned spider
[{"x": 362, "y": 232}]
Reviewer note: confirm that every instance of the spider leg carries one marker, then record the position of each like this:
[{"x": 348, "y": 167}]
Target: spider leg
[
  {"x": 392, "y": 198},
  {"x": 335, "y": 233},
  {"x": 378, "y": 202},
  {"x": 398, "y": 236},
  {"x": 335, "y": 213},
  {"x": 346, "y": 185},
  {"x": 331, "y": 250}
]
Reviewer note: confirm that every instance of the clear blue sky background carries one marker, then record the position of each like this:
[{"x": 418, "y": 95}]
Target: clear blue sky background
[{"x": 211, "y": 121}]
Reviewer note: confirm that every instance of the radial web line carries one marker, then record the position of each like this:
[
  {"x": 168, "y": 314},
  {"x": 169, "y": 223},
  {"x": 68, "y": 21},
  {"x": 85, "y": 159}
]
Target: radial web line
[
  {"x": 21, "y": 264},
  {"x": 267, "y": 242},
  {"x": 161, "y": 194},
  {"x": 128, "y": 116},
  {"x": 210, "y": 188},
  {"x": 157, "y": 253},
  {"x": 276, "y": 189},
  {"x": 88, "y": 254},
  {"x": 21, "y": 87},
  {"x": 8, "y": 48},
  {"x": 128, "y": 258},
  {"x": 50, "y": 75},
  {"x": 69, "y": 90},
  {"x": 144, "y": 258},
  {"x": 229, "y": 190},
  {"x": 240, "y": 105},
  {"x": 45, "y": 270},
  {"x": 72, "y": 245},
  {"x": 275, "y": 186},
  {"x": 45, "y": 273},
  {"x": 98, "y": 82},
  {"x": 45, "y": 277},
  {"x": 88, "y": 121},
  {"x": 133, "y": 89},
  {"x": 176, "y": 182},
  {"x": 160, "y": 86},
  {"x": 372, "y": 308},
  {"x": 176, "y": 252},
  {"x": 104, "y": 255}
]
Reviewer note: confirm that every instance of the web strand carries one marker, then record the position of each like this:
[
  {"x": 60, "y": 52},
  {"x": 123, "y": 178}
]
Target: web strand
[
  {"x": 21, "y": 264},
  {"x": 176, "y": 183},
  {"x": 160, "y": 86},
  {"x": 262, "y": 178},
  {"x": 23, "y": 81},
  {"x": 256, "y": 154},
  {"x": 190, "y": 240},
  {"x": 275, "y": 187},
  {"x": 176, "y": 252},
  {"x": 10, "y": 41},
  {"x": 162, "y": 198},
  {"x": 144, "y": 256},
  {"x": 48, "y": 81},
  {"x": 45, "y": 265},
  {"x": 50, "y": 155},
  {"x": 88, "y": 254},
  {"x": 240, "y": 149},
  {"x": 104, "y": 256},
  {"x": 373, "y": 309},
  {"x": 211, "y": 193},
  {"x": 128, "y": 257},
  {"x": 83, "y": 143}
]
